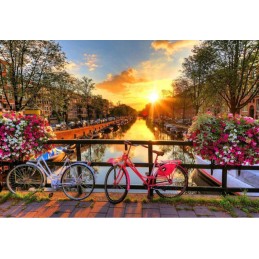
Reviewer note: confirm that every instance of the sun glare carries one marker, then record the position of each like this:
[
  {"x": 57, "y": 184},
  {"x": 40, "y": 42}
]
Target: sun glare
[{"x": 153, "y": 97}]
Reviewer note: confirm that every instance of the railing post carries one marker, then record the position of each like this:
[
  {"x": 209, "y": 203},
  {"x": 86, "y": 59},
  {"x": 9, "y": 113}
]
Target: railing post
[
  {"x": 78, "y": 152},
  {"x": 150, "y": 166},
  {"x": 224, "y": 180}
]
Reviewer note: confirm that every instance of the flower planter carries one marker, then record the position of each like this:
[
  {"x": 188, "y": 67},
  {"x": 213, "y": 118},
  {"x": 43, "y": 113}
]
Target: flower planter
[{"x": 225, "y": 140}]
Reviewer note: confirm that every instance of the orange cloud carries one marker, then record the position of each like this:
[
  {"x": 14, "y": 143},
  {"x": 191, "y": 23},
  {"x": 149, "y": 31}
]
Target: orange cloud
[
  {"x": 120, "y": 83},
  {"x": 170, "y": 47}
]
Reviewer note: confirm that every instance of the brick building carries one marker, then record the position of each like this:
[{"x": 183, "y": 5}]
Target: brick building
[{"x": 252, "y": 108}]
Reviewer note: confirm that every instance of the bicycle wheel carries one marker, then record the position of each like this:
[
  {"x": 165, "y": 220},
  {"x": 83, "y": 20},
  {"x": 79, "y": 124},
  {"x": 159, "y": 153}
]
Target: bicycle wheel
[
  {"x": 172, "y": 185},
  {"x": 24, "y": 178},
  {"x": 78, "y": 182},
  {"x": 115, "y": 184}
]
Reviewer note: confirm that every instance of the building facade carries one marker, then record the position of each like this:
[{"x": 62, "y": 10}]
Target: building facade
[{"x": 252, "y": 108}]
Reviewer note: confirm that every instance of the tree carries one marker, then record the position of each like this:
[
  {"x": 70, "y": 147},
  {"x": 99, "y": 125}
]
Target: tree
[
  {"x": 100, "y": 105},
  {"x": 196, "y": 69},
  {"x": 29, "y": 65},
  {"x": 123, "y": 110},
  {"x": 85, "y": 87},
  {"x": 60, "y": 93},
  {"x": 182, "y": 96},
  {"x": 235, "y": 75}
]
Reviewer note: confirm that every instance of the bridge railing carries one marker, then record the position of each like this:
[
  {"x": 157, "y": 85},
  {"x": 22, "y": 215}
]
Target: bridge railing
[{"x": 184, "y": 146}]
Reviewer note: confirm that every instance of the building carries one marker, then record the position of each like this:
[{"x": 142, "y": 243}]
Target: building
[{"x": 252, "y": 108}]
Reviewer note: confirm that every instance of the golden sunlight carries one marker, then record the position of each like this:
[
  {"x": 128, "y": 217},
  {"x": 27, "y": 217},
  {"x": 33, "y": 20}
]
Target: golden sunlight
[{"x": 153, "y": 97}]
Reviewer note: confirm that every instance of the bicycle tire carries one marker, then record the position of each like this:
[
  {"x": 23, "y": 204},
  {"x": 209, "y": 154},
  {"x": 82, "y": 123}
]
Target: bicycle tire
[
  {"x": 78, "y": 182},
  {"x": 173, "y": 185},
  {"x": 116, "y": 193},
  {"x": 24, "y": 178}
]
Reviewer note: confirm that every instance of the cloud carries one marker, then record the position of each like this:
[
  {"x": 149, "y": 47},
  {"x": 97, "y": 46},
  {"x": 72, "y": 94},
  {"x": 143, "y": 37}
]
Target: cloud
[
  {"x": 91, "y": 60},
  {"x": 72, "y": 68},
  {"x": 120, "y": 83},
  {"x": 169, "y": 47}
]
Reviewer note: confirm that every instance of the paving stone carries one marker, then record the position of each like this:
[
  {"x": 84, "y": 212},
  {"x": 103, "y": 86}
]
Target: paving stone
[
  {"x": 187, "y": 214},
  {"x": 169, "y": 215},
  {"x": 132, "y": 215},
  {"x": 150, "y": 205},
  {"x": 169, "y": 209},
  {"x": 100, "y": 207},
  {"x": 70, "y": 202},
  {"x": 30, "y": 214},
  {"x": 202, "y": 211},
  {"x": 96, "y": 215},
  {"x": 184, "y": 207},
  {"x": 115, "y": 213},
  {"x": 80, "y": 212},
  {"x": 13, "y": 211},
  {"x": 133, "y": 208},
  {"x": 151, "y": 213},
  {"x": 45, "y": 212},
  {"x": 34, "y": 206},
  {"x": 220, "y": 214},
  {"x": 119, "y": 205},
  {"x": 65, "y": 208},
  {"x": 52, "y": 204},
  {"x": 60, "y": 215},
  {"x": 84, "y": 204},
  {"x": 6, "y": 205},
  {"x": 240, "y": 213}
]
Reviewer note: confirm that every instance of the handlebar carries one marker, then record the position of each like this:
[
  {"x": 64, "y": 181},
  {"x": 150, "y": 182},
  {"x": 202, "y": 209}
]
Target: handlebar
[{"x": 159, "y": 153}]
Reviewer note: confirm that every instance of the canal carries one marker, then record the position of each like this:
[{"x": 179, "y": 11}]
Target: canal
[{"x": 135, "y": 130}]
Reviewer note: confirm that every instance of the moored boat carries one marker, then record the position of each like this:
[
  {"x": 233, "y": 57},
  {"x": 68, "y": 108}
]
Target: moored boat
[{"x": 235, "y": 179}]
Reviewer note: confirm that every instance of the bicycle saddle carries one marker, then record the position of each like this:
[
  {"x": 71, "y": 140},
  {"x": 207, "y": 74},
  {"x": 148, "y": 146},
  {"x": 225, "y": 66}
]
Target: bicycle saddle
[{"x": 159, "y": 153}]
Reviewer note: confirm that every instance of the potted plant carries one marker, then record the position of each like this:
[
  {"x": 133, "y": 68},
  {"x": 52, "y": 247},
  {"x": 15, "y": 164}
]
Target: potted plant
[
  {"x": 23, "y": 136},
  {"x": 226, "y": 140}
]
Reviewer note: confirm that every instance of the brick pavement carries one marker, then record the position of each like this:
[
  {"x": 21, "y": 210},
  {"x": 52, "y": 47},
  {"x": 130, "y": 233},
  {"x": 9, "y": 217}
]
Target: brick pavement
[{"x": 101, "y": 208}]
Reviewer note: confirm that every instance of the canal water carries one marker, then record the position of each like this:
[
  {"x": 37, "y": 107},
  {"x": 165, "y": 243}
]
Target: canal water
[{"x": 136, "y": 130}]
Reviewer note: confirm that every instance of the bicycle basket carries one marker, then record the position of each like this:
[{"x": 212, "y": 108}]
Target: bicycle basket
[{"x": 167, "y": 169}]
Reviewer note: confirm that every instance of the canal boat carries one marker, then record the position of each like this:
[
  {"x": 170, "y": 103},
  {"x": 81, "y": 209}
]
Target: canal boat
[
  {"x": 107, "y": 129},
  {"x": 235, "y": 179}
]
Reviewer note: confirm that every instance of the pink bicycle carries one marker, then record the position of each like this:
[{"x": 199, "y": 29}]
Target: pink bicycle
[{"x": 168, "y": 178}]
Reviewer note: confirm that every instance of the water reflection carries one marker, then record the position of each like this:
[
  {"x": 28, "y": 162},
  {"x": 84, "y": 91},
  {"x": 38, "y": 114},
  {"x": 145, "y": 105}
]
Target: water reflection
[{"x": 136, "y": 130}]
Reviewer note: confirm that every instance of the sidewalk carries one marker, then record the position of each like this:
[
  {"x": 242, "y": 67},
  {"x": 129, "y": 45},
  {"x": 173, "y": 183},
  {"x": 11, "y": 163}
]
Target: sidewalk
[{"x": 99, "y": 207}]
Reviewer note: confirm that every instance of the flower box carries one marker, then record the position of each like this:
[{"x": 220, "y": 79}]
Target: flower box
[
  {"x": 23, "y": 136},
  {"x": 226, "y": 140}
]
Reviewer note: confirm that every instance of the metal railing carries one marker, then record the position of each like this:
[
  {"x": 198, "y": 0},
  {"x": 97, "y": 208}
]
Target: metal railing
[{"x": 223, "y": 188}]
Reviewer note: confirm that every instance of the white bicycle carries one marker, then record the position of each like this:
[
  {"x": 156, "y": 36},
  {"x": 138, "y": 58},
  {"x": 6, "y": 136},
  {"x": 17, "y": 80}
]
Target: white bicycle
[{"x": 76, "y": 179}]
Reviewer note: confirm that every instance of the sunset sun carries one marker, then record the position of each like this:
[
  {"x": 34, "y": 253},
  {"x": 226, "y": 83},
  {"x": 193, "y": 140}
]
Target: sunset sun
[{"x": 153, "y": 97}]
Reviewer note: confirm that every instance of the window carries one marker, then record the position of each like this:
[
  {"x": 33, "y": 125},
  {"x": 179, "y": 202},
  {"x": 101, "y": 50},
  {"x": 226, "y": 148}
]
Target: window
[{"x": 244, "y": 109}]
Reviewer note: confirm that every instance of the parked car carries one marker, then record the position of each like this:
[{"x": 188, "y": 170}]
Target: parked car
[{"x": 71, "y": 125}]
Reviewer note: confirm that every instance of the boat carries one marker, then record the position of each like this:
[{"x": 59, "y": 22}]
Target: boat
[
  {"x": 235, "y": 179},
  {"x": 107, "y": 129},
  {"x": 97, "y": 135}
]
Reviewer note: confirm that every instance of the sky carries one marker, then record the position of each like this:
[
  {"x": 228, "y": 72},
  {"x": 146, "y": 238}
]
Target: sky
[{"x": 127, "y": 71}]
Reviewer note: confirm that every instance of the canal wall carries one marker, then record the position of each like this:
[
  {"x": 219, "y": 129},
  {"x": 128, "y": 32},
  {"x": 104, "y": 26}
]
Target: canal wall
[{"x": 79, "y": 132}]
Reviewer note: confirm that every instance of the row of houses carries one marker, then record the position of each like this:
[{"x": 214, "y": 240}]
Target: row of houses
[{"x": 74, "y": 107}]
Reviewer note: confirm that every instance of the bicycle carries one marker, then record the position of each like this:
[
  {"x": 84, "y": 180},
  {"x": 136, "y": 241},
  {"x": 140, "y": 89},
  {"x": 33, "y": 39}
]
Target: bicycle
[
  {"x": 168, "y": 178},
  {"x": 76, "y": 179}
]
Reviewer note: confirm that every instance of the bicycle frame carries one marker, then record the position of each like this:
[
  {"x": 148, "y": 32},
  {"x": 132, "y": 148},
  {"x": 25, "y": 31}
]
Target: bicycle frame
[
  {"x": 46, "y": 171},
  {"x": 126, "y": 162}
]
